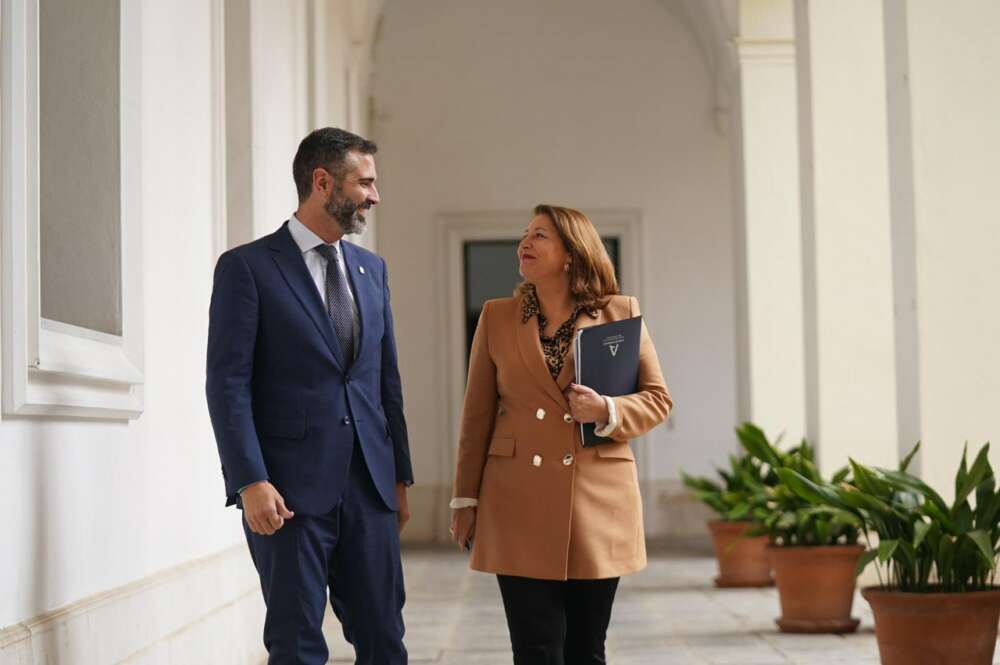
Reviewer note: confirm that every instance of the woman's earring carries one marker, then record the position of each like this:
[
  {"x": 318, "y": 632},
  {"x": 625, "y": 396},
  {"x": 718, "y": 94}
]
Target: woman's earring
[{"x": 566, "y": 267}]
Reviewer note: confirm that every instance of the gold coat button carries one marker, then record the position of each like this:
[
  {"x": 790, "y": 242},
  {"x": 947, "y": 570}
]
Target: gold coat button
[
  {"x": 567, "y": 418},
  {"x": 567, "y": 460},
  {"x": 536, "y": 460},
  {"x": 540, "y": 414}
]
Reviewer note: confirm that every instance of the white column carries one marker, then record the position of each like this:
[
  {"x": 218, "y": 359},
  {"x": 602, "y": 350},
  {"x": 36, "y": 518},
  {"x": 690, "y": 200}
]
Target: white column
[
  {"x": 953, "y": 65},
  {"x": 847, "y": 231},
  {"x": 772, "y": 353}
]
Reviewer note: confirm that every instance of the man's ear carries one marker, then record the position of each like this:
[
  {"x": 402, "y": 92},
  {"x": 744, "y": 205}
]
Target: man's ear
[{"x": 322, "y": 181}]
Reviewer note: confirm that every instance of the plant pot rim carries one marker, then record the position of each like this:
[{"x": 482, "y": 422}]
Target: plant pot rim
[
  {"x": 894, "y": 592},
  {"x": 721, "y": 522},
  {"x": 814, "y": 548}
]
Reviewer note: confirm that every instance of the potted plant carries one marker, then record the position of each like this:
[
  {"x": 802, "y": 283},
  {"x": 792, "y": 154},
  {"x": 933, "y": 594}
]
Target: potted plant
[
  {"x": 936, "y": 602},
  {"x": 813, "y": 549},
  {"x": 742, "y": 559}
]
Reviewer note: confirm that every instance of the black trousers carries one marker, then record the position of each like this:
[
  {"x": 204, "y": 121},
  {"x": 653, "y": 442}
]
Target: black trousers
[{"x": 557, "y": 623}]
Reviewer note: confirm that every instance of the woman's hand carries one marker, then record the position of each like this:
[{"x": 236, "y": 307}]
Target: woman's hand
[
  {"x": 463, "y": 526},
  {"x": 585, "y": 405}
]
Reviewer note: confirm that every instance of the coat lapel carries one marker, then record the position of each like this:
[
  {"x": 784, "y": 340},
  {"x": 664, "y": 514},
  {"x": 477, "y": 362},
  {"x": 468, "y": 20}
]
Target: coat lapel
[
  {"x": 292, "y": 266},
  {"x": 530, "y": 346},
  {"x": 568, "y": 373}
]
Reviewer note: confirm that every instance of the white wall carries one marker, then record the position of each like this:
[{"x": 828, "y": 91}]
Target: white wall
[
  {"x": 499, "y": 106},
  {"x": 98, "y": 504}
]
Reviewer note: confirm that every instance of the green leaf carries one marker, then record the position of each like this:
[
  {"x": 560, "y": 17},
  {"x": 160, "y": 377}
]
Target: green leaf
[
  {"x": 963, "y": 470},
  {"x": 866, "y": 558},
  {"x": 985, "y": 545},
  {"x": 906, "y": 481},
  {"x": 886, "y": 549},
  {"x": 905, "y": 463},
  {"x": 738, "y": 512},
  {"x": 697, "y": 483},
  {"x": 806, "y": 489},
  {"x": 977, "y": 473},
  {"x": 920, "y": 531},
  {"x": 754, "y": 442}
]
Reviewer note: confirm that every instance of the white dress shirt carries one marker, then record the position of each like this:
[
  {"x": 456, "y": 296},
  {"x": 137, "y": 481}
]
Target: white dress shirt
[{"x": 307, "y": 242}]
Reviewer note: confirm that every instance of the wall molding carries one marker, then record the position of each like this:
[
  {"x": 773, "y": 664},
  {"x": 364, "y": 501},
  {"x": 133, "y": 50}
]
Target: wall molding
[{"x": 51, "y": 368}]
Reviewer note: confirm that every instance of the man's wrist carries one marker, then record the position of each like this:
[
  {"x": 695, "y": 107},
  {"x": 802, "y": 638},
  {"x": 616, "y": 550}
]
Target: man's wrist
[{"x": 256, "y": 482}]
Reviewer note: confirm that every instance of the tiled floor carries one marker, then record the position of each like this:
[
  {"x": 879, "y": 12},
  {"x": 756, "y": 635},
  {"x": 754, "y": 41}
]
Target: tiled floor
[{"x": 669, "y": 614}]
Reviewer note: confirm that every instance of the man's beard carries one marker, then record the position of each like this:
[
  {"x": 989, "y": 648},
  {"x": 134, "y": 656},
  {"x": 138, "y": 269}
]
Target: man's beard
[{"x": 347, "y": 214}]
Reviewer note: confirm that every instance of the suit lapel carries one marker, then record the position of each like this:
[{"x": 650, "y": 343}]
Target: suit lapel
[
  {"x": 362, "y": 287},
  {"x": 530, "y": 346},
  {"x": 288, "y": 258}
]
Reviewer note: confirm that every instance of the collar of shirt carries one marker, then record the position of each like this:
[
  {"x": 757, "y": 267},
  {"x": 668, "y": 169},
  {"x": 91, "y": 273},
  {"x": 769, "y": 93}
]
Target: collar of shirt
[{"x": 306, "y": 239}]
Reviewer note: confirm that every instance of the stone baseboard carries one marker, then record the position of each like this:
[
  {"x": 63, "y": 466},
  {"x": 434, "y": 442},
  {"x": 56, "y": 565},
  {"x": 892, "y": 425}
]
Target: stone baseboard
[{"x": 208, "y": 611}]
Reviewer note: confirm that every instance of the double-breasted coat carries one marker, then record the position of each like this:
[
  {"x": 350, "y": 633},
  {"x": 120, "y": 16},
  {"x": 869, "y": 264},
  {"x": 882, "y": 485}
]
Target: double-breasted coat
[{"x": 548, "y": 507}]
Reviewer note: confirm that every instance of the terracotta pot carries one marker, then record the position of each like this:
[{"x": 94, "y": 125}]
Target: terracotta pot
[
  {"x": 935, "y": 628},
  {"x": 816, "y": 587},
  {"x": 742, "y": 561}
]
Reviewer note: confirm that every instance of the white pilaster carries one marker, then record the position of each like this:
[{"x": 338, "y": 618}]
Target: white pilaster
[
  {"x": 847, "y": 231},
  {"x": 953, "y": 60},
  {"x": 772, "y": 357}
]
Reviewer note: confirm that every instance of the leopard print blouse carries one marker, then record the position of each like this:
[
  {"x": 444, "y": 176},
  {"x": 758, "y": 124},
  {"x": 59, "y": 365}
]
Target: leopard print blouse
[{"x": 556, "y": 347}]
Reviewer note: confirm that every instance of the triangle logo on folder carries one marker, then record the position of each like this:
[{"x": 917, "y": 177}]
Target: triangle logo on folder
[{"x": 614, "y": 349}]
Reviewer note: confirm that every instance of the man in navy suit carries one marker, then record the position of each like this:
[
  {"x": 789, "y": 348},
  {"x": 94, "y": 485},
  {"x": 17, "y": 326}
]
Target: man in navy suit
[{"x": 305, "y": 398}]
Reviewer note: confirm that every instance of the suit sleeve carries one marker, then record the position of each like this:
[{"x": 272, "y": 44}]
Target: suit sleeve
[
  {"x": 392, "y": 391},
  {"x": 478, "y": 413},
  {"x": 232, "y": 334},
  {"x": 651, "y": 403}
]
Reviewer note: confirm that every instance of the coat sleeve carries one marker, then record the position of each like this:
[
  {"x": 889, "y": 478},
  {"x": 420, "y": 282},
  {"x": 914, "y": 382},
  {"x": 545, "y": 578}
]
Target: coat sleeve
[
  {"x": 392, "y": 391},
  {"x": 232, "y": 335},
  {"x": 651, "y": 403},
  {"x": 478, "y": 413}
]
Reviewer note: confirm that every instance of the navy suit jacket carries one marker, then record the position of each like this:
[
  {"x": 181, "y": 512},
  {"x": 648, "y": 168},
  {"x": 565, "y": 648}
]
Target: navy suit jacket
[{"x": 285, "y": 406}]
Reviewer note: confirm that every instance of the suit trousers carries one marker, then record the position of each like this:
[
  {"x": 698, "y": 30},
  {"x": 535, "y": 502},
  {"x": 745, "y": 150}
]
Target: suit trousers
[
  {"x": 555, "y": 622},
  {"x": 354, "y": 552}
]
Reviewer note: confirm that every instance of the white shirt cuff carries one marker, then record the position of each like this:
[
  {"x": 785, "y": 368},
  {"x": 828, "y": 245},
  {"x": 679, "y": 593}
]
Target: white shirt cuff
[
  {"x": 608, "y": 428},
  {"x": 463, "y": 502}
]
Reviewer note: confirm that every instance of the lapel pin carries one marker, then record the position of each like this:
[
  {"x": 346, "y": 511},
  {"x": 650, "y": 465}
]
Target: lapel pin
[{"x": 362, "y": 269}]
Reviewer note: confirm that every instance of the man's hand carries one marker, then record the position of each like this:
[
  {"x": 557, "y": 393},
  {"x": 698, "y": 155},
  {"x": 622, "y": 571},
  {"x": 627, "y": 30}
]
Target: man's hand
[
  {"x": 585, "y": 405},
  {"x": 463, "y": 526},
  {"x": 404, "y": 507},
  {"x": 264, "y": 509}
]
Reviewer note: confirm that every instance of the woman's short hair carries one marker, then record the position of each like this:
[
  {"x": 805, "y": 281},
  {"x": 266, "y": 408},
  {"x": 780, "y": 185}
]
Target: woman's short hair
[{"x": 591, "y": 274}]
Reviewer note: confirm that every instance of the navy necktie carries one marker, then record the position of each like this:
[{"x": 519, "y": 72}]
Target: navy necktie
[{"x": 338, "y": 301}]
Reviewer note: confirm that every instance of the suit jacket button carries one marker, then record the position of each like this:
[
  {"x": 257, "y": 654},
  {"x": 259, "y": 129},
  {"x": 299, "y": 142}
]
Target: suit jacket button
[
  {"x": 536, "y": 460},
  {"x": 347, "y": 421},
  {"x": 567, "y": 460},
  {"x": 540, "y": 414},
  {"x": 567, "y": 418}
]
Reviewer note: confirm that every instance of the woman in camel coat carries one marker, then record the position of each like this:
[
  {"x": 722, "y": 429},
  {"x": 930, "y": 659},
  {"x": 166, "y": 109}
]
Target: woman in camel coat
[{"x": 557, "y": 523}]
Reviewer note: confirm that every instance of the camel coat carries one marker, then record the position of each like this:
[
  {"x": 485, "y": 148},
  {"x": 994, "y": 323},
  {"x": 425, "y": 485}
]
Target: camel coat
[{"x": 549, "y": 508}]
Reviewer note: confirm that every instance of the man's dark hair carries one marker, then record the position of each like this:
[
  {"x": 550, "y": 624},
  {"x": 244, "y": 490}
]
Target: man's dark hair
[{"x": 325, "y": 148}]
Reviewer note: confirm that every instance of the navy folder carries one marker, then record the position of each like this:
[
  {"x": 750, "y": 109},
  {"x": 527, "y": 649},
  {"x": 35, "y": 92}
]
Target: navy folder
[{"x": 607, "y": 361}]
